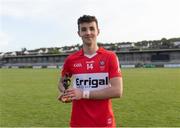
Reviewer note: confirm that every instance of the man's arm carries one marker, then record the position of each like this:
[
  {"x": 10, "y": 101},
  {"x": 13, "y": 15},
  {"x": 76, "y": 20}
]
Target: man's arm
[
  {"x": 115, "y": 91},
  {"x": 60, "y": 86}
]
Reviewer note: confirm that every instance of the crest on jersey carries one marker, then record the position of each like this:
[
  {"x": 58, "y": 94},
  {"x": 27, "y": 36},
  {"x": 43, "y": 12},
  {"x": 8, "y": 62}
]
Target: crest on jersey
[{"x": 102, "y": 65}]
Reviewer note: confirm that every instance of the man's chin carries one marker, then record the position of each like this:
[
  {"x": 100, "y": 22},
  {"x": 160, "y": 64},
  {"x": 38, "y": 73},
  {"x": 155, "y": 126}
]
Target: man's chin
[{"x": 88, "y": 42}]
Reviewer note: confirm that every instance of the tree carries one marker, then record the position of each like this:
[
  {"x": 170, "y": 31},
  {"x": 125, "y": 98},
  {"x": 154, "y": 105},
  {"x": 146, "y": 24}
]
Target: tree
[{"x": 165, "y": 43}]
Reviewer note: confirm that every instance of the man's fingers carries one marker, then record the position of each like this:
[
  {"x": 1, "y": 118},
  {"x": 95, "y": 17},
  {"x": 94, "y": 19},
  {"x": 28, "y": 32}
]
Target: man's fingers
[
  {"x": 69, "y": 90},
  {"x": 61, "y": 89},
  {"x": 69, "y": 94},
  {"x": 64, "y": 99}
]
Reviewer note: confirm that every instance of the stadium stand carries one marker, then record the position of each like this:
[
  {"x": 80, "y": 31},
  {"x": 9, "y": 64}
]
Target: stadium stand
[
  {"x": 150, "y": 58},
  {"x": 128, "y": 59}
]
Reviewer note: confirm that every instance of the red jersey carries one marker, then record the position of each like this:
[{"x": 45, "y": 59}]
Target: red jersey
[{"x": 92, "y": 73}]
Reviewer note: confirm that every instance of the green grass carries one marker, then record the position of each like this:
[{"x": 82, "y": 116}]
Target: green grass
[{"x": 28, "y": 98}]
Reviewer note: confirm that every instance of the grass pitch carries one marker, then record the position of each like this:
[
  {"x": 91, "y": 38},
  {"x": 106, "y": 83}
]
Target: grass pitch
[{"x": 28, "y": 98}]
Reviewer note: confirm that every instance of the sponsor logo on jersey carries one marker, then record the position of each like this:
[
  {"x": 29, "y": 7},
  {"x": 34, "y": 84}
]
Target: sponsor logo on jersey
[{"x": 91, "y": 81}]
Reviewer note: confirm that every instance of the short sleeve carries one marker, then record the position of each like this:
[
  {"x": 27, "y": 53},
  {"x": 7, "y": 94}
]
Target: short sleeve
[
  {"x": 66, "y": 68},
  {"x": 114, "y": 68}
]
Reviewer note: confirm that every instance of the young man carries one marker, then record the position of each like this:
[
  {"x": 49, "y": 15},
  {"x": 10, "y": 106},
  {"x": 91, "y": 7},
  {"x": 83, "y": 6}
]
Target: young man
[{"x": 96, "y": 78}]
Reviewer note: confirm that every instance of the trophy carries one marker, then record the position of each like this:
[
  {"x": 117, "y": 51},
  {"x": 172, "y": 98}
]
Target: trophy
[{"x": 66, "y": 83}]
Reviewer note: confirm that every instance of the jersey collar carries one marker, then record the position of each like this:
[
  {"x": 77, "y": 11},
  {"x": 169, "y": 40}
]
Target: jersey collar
[{"x": 100, "y": 50}]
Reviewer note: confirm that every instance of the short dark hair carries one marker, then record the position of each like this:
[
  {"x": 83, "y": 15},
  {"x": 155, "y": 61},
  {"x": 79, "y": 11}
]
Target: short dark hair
[{"x": 88, "y": 19}]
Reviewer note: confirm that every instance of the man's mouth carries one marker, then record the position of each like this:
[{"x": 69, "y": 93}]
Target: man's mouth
[{"x": 88, "y": 37}]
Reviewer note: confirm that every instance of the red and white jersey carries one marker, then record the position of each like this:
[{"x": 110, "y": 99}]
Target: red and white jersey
[{"x": 92, "y": 73}]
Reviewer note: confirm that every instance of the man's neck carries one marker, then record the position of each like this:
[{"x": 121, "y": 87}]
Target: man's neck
[{"x": 89, "y": 50}]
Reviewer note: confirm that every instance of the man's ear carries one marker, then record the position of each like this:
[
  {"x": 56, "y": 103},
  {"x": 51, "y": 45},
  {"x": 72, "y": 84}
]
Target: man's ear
[
  {"x": 78, "y": 33},
  {"x": 98, "y": 31}
]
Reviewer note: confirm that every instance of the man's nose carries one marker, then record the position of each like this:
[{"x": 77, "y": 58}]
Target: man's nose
[{"x": 88, "y": 31}]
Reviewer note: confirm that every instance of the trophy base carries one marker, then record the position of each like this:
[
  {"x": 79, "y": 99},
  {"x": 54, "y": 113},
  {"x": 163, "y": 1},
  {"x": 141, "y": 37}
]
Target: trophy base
[{"x": 65, "y": 99}]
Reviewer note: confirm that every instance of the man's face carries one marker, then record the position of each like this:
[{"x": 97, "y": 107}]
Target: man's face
[{"x": 88, "y": 32}]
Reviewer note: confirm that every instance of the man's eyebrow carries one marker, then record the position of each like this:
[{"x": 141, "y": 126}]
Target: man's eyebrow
[{"x": 83, "y": 27}]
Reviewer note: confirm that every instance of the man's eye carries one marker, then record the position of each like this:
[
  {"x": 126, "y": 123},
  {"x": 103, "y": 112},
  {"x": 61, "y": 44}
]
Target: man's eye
[
  {"x": 83, "y": 29},
  {"x": 92, "y": 28}
]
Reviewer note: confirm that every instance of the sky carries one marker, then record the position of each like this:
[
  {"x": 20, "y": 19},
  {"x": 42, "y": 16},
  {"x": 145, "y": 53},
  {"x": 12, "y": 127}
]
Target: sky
[{"x": 33, "y": 24}]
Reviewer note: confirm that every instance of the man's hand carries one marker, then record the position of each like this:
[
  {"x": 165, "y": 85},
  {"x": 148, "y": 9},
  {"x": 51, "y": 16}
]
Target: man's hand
[
  {"x": 61, "y": 88},
  {"x": 64, "y": 83},
  {"x": 64, "y": 99},
  {"x": 73, "y": 93}
]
